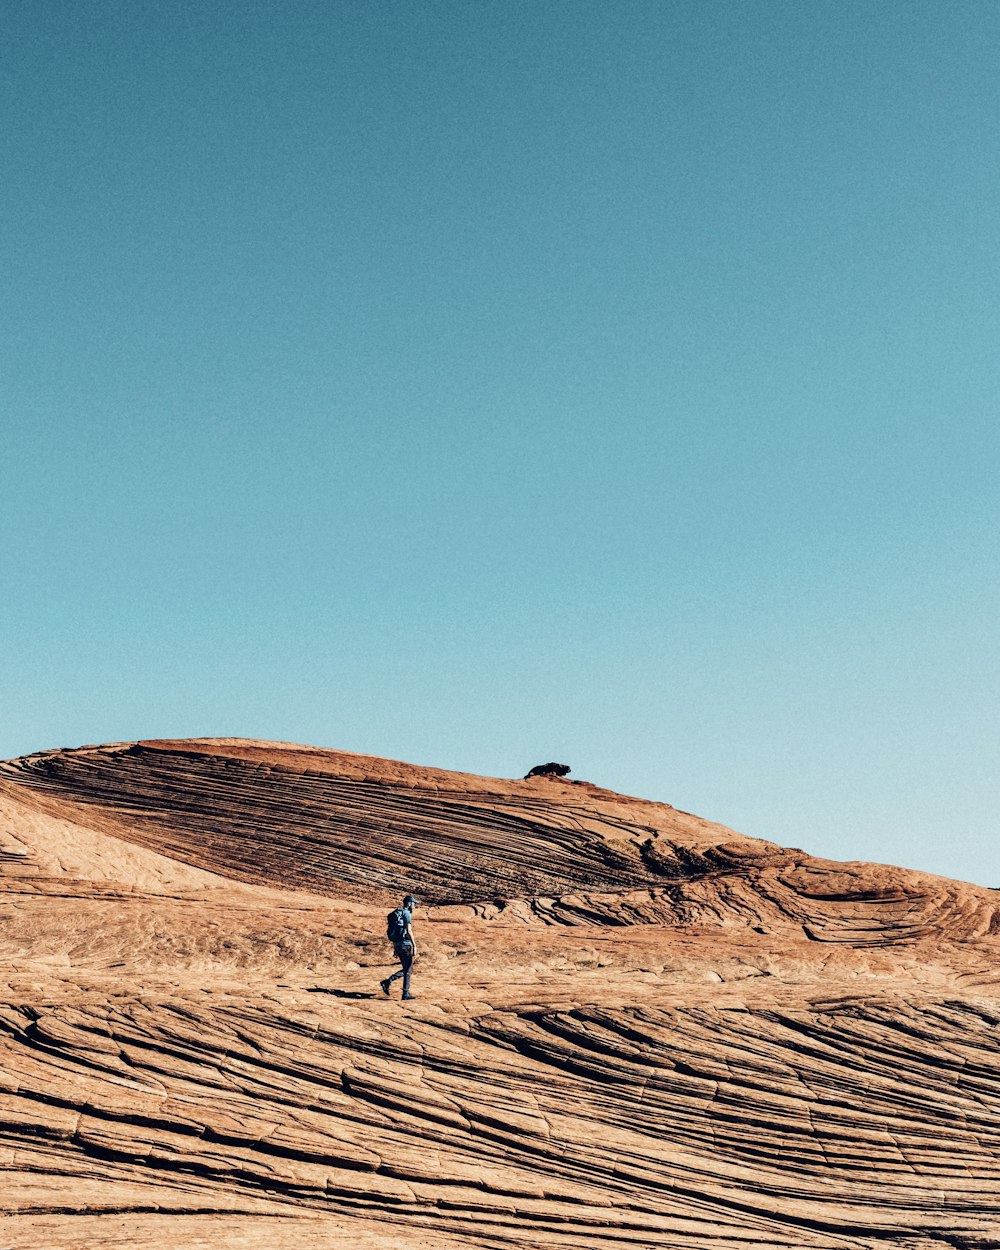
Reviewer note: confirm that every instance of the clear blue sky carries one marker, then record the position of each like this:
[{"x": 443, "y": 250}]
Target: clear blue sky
[{"x": 479, "y": 384}]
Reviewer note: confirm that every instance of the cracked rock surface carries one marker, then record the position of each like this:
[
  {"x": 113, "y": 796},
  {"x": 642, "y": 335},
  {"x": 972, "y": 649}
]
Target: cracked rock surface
[{"x": 632, "y": 1027}]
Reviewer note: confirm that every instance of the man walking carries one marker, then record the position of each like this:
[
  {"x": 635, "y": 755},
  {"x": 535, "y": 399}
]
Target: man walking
[{"x": 399, "y": 930}]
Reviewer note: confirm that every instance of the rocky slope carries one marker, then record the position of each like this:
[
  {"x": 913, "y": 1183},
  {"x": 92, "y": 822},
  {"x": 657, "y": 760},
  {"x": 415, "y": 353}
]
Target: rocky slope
[{"x": 633, "y": 1028}]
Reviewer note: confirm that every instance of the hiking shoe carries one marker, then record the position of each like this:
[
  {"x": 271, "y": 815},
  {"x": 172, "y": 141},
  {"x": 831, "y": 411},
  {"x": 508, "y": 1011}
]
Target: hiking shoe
[
  {"x": 408, "y": 996},
  {"x": 385, "y": 988}
]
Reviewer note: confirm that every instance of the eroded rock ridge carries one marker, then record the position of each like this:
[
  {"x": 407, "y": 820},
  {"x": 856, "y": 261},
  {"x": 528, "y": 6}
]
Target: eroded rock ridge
[{"x": 632, "y": 1027}]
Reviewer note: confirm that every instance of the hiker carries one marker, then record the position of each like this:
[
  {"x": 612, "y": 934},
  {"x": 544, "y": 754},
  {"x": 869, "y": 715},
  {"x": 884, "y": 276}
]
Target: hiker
[{"x": 399, "y": 931}]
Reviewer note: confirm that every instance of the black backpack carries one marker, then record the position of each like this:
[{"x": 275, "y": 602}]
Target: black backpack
[{"x": 395, "y": 925}]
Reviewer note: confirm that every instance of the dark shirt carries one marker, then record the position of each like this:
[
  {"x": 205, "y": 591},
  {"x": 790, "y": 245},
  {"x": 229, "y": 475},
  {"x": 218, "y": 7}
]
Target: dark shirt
[{"x": 407, "y": 939}]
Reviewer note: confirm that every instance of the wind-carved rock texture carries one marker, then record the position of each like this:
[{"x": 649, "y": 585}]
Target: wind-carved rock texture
[{"x": 633, "y": 1028}]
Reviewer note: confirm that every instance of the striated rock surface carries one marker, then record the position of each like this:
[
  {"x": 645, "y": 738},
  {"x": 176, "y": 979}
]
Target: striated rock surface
[{"x": 633, "y": 1028}]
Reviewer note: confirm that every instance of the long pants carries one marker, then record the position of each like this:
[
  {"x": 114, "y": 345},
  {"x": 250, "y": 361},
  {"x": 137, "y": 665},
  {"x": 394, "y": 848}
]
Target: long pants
[{"x": 404, "y": 953}]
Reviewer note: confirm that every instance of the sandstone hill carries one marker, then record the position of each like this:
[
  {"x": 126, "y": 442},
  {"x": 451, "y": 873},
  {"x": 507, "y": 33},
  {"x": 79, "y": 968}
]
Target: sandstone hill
[{"x": 633, "y": 1028}]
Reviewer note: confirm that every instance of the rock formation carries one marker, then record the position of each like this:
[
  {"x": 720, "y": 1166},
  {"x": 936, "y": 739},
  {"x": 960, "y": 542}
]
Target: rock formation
[{"x": 634, "y": 1028}]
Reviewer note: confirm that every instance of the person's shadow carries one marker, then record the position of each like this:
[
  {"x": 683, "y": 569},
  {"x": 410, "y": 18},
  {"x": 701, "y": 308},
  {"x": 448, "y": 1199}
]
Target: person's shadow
[{"x": 322, "y": 989}]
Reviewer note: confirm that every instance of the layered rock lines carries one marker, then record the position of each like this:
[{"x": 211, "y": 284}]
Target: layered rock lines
[{"x": 633, "y": 1028}]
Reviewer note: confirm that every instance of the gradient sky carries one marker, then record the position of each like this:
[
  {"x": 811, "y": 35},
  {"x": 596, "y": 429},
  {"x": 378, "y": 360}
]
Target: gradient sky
[{"x": 479, "y": 384}]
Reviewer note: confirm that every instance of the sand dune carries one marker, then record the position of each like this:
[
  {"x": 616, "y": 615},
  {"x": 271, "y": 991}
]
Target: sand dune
[{"x": 633, "y": 1027}]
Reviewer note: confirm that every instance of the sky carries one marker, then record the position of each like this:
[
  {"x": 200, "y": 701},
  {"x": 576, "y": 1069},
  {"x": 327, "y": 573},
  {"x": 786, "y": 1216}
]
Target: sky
[{"x": 479, "y": 384}]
